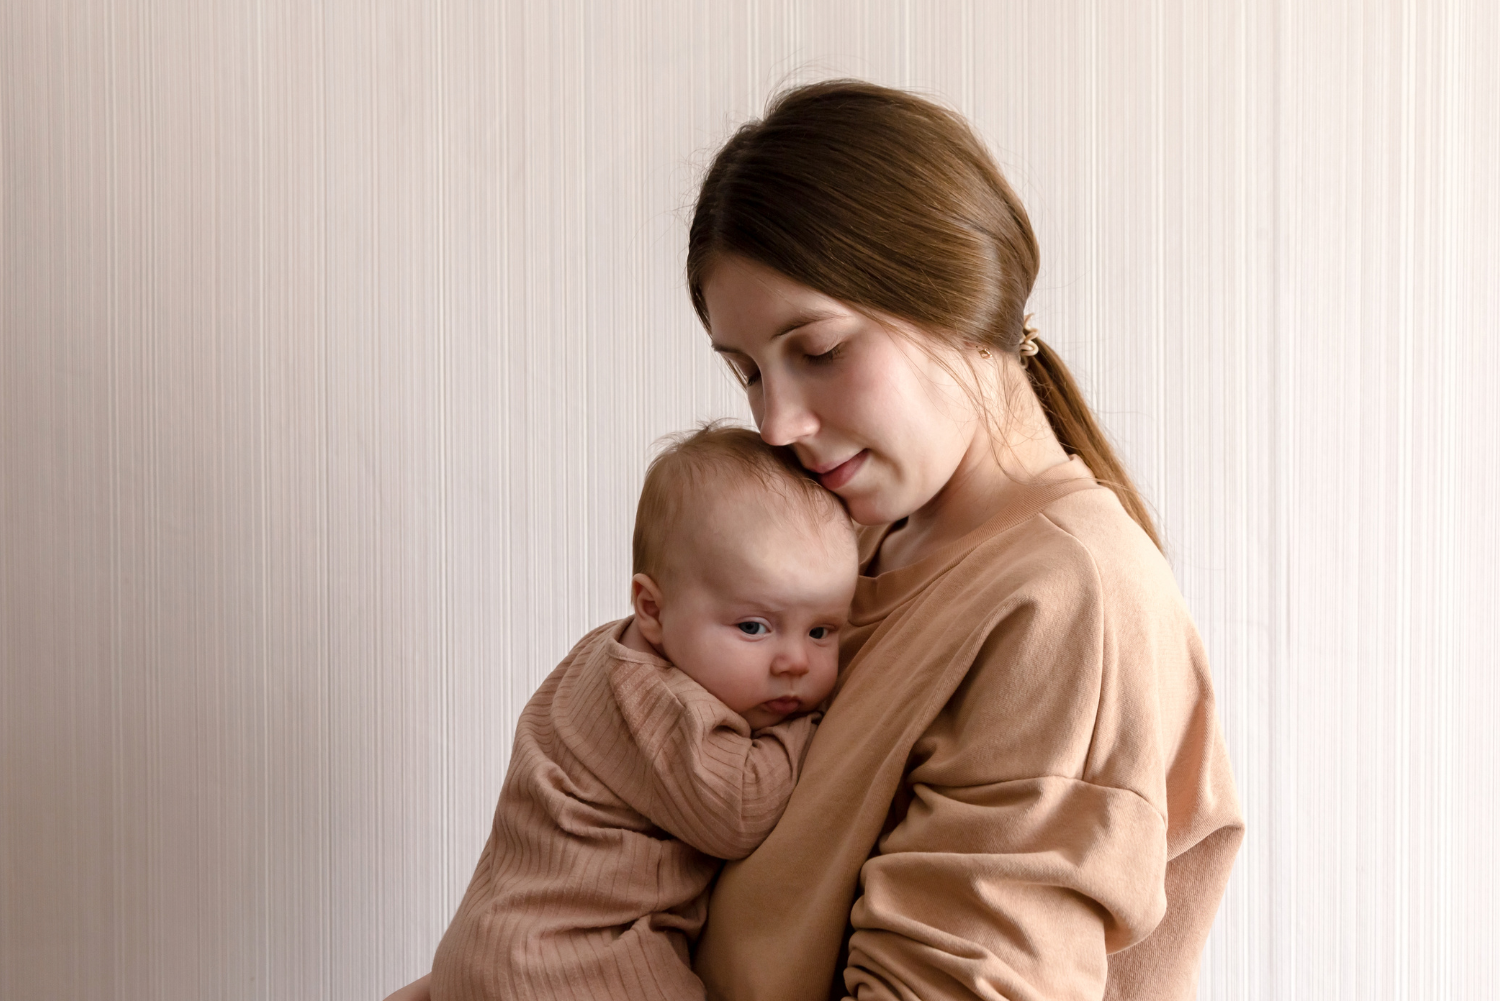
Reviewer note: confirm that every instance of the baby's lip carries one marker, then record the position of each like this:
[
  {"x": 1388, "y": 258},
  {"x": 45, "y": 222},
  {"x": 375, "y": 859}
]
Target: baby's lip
[{"x": 785, "y": 704}]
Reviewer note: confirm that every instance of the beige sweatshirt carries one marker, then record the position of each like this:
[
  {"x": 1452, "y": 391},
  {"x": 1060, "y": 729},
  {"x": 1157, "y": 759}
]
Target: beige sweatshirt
[
  {"x": 627, "y": 784},
  {"x": 1019, "y": 791}
]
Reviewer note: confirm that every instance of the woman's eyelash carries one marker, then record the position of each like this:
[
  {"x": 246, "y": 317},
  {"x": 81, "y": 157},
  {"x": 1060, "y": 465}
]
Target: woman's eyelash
[
  {"x": 828, "y": 355},
  {"x": 744, "y": 373}
]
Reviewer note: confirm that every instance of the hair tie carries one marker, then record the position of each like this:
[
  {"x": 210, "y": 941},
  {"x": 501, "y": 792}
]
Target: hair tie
[{"x": 1029, "y": 346}]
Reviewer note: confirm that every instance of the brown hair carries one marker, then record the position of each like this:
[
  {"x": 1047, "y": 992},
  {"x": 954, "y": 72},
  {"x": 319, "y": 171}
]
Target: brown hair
[
  {"x": 716, "y": 454},
  {"x": 888, "y": 202}
]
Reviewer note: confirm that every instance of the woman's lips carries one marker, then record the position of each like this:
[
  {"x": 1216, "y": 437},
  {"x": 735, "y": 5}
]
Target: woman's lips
[
  {"x": 836, "y": 477},
  {"x": 789, "y": 704}
]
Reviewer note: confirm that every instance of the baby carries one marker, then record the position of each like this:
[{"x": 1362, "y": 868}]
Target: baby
[{"x": 665, "y": 742}]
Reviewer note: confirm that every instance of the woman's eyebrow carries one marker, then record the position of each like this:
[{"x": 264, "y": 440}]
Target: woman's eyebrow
[
  {"x": 797, "y": 322},
  {"x": 803, "y": 320}
]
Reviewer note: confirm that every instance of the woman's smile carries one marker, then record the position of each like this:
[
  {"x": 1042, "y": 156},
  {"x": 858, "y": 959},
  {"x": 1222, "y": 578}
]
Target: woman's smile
[{"x": 838, "y": 474}]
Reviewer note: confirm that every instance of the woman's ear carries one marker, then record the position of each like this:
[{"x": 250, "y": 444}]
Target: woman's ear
[{"x": 645, "y": 599}]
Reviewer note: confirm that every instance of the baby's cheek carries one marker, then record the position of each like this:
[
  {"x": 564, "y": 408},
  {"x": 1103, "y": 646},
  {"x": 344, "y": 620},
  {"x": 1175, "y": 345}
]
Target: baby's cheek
[
  {"x": 747, "y": 675},
  {"x": 827, "y": 672}
]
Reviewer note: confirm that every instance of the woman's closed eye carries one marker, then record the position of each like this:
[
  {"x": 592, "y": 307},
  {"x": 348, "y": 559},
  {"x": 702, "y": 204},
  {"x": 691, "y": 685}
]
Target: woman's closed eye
[
  {"x": 827, "y": 356},
  {"x": 748, "y": 373}
]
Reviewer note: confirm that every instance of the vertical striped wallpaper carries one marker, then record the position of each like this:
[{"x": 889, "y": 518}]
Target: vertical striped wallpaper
[{"x": 334, "y": 334}]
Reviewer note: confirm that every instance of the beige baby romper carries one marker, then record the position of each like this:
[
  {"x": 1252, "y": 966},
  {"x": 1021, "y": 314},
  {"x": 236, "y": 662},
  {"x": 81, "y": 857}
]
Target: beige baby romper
[{"x": 627, "y": 785}]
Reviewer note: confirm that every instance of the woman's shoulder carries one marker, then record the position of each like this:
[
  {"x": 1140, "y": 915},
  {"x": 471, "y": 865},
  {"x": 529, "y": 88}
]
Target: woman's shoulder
[
  {"x": 1089, "y": 595},
  {"x": 1083, "y": 546},
  {"x": 1073, "y": 560}
]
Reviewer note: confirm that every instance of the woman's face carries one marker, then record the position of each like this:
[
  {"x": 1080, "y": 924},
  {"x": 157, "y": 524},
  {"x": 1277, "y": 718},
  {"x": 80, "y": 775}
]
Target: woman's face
[{"x": 881, "y": 421}]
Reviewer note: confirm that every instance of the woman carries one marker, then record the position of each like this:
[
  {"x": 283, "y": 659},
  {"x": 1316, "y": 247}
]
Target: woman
[{"x": 1019, "y": 789}]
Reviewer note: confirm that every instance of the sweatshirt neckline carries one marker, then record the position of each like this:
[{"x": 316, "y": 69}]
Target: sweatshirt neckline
[
  {"x": 876, "y": 597},
  {"x": 615, "y": 648}
]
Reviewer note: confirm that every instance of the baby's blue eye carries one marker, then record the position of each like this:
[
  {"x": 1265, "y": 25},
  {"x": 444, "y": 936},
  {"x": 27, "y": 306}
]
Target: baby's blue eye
[
  {"x": 753, "y": 628},
  {"x": 818, "y": 632}
]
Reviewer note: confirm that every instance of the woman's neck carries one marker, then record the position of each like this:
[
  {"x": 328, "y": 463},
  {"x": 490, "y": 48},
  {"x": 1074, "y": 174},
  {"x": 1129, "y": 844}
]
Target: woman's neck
[{"x": 988, "y": 479}]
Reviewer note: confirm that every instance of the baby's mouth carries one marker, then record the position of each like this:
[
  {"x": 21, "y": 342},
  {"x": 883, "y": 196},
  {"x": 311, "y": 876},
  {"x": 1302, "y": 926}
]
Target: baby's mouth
[{"x": 785, "y": 704}]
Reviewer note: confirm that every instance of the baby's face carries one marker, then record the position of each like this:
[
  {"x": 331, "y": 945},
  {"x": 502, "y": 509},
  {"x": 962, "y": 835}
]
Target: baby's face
[{"x": 755, "y": 607}]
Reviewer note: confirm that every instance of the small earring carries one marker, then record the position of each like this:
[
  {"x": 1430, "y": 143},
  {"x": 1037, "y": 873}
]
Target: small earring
[{"x": 984, "y": 352}]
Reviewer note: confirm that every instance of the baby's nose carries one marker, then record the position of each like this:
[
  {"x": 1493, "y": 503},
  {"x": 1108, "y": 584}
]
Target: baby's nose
[{"x": 791, "y": 660}]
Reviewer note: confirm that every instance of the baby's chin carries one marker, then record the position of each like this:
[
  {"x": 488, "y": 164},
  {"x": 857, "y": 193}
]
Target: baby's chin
[{"x": 760, "y": 718}]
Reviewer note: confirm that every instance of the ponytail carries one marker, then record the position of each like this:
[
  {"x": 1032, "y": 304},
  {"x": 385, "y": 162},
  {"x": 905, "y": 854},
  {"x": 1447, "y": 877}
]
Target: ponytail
[{"x": 1080, "y": 434}]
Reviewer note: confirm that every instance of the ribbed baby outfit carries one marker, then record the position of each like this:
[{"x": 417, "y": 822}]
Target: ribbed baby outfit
[
  {"x": 1019, "y": 790},
  {"x": 627, "y": 785}
]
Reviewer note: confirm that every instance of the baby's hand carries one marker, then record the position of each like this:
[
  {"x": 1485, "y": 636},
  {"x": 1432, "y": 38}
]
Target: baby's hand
[{"x": 417, "y": 990}]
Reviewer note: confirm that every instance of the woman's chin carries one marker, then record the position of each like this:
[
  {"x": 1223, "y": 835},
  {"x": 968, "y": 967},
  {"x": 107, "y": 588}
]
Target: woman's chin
[{"x": 871, "y": 509}]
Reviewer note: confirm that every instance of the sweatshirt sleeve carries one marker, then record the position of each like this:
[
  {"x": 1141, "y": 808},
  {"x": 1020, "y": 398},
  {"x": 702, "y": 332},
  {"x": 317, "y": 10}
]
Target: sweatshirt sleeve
[
  {"x": 1030, "y": 838},
  {"x": 702, "y": 776}
]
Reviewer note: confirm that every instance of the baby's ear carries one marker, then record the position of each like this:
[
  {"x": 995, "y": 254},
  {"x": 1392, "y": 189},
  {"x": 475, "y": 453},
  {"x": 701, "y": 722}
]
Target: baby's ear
[{"x": 645, "y": 599}]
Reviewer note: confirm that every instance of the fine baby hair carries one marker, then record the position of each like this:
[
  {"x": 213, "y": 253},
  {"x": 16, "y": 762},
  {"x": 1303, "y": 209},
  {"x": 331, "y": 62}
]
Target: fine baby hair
[{"x": 717, "y": 456}]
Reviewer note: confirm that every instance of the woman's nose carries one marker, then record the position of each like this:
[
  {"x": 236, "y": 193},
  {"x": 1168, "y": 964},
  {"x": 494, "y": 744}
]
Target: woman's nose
[{"x": 783, "y": 417}]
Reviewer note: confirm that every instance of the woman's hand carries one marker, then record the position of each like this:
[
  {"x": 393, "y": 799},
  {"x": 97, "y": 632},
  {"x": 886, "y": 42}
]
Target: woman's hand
[{"x": 417, "y": 990}]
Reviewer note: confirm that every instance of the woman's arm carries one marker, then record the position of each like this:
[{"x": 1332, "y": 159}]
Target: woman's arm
[
  {"x": 1072, "y": 790},
  {"x": 417, "y": 990},
  {"x": 1014, "y": 864},
  {"x": 1016, "y": 890}
]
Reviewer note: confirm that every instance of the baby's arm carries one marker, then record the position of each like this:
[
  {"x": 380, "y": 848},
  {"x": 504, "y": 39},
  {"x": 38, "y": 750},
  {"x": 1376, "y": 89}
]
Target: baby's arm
[{"x": 702, "y": 777}]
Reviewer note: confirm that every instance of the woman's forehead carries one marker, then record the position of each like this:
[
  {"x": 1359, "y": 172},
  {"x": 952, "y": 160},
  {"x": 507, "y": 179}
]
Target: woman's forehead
[{"x": 747, "y": 300}]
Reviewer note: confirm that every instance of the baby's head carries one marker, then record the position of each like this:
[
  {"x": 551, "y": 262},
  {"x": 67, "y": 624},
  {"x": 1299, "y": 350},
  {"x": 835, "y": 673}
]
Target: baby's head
[{"x": 744, "y": 570}]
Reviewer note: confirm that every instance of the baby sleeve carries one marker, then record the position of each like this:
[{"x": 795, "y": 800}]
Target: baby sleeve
[{"x": 700, "y": 774}]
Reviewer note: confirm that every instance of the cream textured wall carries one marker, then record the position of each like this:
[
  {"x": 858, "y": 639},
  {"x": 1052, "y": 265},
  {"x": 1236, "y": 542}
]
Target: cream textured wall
[{"x": 335, "y": 334}]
